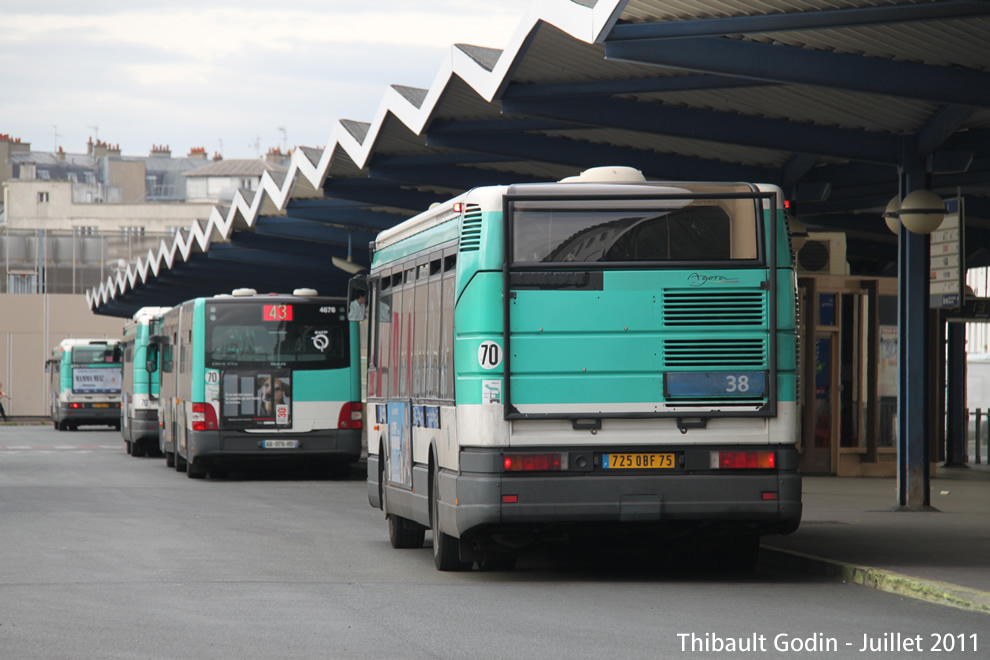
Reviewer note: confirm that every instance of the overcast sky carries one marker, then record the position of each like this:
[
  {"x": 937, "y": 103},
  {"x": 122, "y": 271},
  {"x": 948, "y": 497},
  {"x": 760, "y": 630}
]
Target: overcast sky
[{"x": 221, "y": 74}]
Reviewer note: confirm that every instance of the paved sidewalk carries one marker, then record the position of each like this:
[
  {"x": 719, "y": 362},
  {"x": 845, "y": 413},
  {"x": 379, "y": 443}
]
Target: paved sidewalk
[{"x": 849, "y": 530}]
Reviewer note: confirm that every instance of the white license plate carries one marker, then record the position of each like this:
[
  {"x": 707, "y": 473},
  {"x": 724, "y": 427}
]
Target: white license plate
[{"x": 280, "y": 444}]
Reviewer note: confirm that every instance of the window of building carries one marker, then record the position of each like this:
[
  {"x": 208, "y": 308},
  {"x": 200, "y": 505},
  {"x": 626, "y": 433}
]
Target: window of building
[
  {"x": 86, "y": 231},
  {"x": 43, "y": 197},
  {"x": 130, "y": 232},
  {"x": 43, "y": 174}
]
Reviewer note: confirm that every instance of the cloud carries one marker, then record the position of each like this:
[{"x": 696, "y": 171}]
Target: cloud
[{"x": 195, "y": 74}]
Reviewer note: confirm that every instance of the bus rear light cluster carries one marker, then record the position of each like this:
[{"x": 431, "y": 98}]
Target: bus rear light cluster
[
  {"x": 742, "y": 460},
  {"x": 532, "y": 462},
  {"x": 204, "y": 418},
  {"x": 75, "y": 405},
  {"x": 351, "y": 416}
]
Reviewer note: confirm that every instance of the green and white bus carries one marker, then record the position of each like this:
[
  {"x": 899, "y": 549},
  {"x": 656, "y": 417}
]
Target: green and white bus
[
  {"x": 259, "y": 378},
  {"x": 84, "y": 378},
  {"x": 602, "y": 356},
  {"x": 139, "y": 390}
]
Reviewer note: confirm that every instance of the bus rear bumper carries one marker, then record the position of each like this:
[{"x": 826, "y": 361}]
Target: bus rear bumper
[
  {"x": 144, "y": 425},
  {"x": 109, "y": 416},
  {"x": 759, "y": 502},
  {"x": 220, "y": 446}
]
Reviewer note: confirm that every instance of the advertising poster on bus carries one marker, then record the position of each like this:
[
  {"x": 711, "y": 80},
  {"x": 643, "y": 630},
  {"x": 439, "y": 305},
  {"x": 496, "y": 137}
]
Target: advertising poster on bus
[
  {"x": 256, "y": 399},
  {"x": 97, "y": 381}
]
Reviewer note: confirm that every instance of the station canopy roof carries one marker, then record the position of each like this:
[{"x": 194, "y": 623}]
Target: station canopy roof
[{"x": 826, "y": 98}]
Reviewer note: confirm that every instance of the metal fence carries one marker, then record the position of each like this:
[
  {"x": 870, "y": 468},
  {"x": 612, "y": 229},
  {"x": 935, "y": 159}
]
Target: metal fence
[{"x": 42, "y": 261}]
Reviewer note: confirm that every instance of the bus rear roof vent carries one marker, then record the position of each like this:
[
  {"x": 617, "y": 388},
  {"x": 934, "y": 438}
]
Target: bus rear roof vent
[
  {"x": 305, "y": 293},
  {"x": 243, "y": 292},
  {"x": 608, "y": 174}
]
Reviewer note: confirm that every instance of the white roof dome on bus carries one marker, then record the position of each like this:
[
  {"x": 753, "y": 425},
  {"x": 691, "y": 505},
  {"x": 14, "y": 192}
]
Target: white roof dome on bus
[
  {"x": 244, "y": 292},
  {"x": 305, "y": 293},
  {"x": 607, "y": 174}
]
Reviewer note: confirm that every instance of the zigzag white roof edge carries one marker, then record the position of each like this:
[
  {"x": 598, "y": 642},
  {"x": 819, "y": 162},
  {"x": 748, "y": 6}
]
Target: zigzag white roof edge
[{"x": 588, "y": 24}]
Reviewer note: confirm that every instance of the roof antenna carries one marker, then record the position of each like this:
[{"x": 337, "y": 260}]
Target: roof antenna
[{"x": 348, "y": 264}]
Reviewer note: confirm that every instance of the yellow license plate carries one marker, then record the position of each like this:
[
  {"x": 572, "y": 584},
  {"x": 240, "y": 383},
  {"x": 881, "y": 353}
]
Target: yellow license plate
[
  {"x": 638, "y": 461},
  {"x": 101, "y": 405}
]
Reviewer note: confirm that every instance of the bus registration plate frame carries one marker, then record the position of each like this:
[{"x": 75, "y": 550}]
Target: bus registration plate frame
[
  {"x": 280, "y": 444},
  {"x": 639, "y": 461}
]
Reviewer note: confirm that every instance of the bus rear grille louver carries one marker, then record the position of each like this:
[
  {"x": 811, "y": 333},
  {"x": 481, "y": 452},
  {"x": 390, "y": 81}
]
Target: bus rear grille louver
[
  {"x": 718, "y": 308},
  {"x": 719, "y": 354},
  {"x": 471, "y": 228}
]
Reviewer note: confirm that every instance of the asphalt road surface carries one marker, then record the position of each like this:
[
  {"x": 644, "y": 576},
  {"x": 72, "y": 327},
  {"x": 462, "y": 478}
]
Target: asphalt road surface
[{"x": 109, "y": 556}]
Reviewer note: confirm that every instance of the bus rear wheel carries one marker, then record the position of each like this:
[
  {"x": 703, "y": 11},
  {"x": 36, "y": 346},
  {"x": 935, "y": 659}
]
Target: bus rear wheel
[
  {"x": 170, "y": 459},
  {"x": 446, "y": 548},
  {"x": 195, "y": 470}
]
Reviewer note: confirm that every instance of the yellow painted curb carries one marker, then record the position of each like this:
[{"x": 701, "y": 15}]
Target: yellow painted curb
[{"x": 932, "y": 591}]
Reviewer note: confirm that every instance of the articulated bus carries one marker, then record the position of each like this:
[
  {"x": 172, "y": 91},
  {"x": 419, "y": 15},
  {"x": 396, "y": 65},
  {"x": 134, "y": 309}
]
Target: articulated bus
[
  {"x": 259, "y": 378},
  {"x": 84, "y": 377},
  {"x": 139, "y": 390},
  {"x": 598, "y": 358}
]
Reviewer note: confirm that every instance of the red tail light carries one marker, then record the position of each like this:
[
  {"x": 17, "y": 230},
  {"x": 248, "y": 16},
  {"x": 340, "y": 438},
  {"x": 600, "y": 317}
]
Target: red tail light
[
  {"x": 743, "y": 460},
  {"x": 351, "y": 416},
  {"x": 531, "y": 462},
  {"x": 204, "y": 417},
  {"x": 75, "y": 405}
]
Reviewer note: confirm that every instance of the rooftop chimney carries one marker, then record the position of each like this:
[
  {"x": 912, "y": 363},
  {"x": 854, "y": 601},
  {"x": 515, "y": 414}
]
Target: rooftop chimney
[
  {"x": 159, "y": 151},
  {"x": 197, "y": 153}
]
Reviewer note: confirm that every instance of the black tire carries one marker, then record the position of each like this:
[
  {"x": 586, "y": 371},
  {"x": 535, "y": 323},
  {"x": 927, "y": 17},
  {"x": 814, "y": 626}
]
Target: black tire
[
  {"x": 55, "y": 426},
  {"x": 170, "y": 459},
  {"x": 180, "y": 462},
  {"x": 403, "y": 533},
  {"x": 128, "y": 447},
  {"x": 446, "y": 548},
  {"x": 195, "y": 470},
  {"x": 137, "y": 449}
]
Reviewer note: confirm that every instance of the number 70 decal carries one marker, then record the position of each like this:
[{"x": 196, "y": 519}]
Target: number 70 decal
[{"x": 489, "y": 355}]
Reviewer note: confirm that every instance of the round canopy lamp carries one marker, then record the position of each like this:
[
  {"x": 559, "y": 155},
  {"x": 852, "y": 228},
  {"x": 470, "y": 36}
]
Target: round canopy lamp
[{"x": 922, "y": 212}]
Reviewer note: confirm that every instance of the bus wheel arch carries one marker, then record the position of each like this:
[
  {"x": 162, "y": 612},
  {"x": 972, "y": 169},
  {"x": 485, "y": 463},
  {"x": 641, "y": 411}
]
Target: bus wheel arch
[{"x": 446, "y": 548}]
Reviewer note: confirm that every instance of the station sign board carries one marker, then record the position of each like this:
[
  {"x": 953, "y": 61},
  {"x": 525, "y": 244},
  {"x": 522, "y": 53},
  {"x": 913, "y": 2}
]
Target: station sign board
[{"x": 947, "y": 271}]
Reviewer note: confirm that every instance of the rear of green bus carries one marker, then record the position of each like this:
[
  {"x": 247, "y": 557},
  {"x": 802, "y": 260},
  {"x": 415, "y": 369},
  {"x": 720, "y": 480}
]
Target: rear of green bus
[
  {"x": 86, "y": 383},
  {"x": 270, "y": 378},
  {"x": 640, "y": 369}
]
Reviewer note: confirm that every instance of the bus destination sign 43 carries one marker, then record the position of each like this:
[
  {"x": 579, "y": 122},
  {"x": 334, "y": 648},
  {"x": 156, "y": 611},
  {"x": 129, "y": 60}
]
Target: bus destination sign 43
[{"x": 278, "y": 312}]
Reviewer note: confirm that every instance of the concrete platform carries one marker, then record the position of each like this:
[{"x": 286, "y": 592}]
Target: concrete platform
[{"x": 850, "y": 531}]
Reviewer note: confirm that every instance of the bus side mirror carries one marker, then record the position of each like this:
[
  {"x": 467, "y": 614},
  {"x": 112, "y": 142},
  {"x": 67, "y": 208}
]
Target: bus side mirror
[
  {"x": 357, "y": 298},
  {"x": 152, "y": 357}
]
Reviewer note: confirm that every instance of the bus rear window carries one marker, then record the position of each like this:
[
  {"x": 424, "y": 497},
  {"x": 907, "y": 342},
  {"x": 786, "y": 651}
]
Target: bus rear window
[
  {"x": 719, "y": 231},
  {"x": 96, "y": 353},
  {"x": 316, "y": 337}
]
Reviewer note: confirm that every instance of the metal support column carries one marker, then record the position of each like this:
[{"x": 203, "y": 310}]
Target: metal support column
[
  {"x": 956, "y": 421},
  {"x": 913, "y": 480}
]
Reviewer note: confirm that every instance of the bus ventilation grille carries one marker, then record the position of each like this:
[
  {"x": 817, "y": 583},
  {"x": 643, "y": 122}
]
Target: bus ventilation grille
[
  {"x": 471, "y": 228},
  {"x": 721, "y": 353},
  {"x": 716, "y": 308}
]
